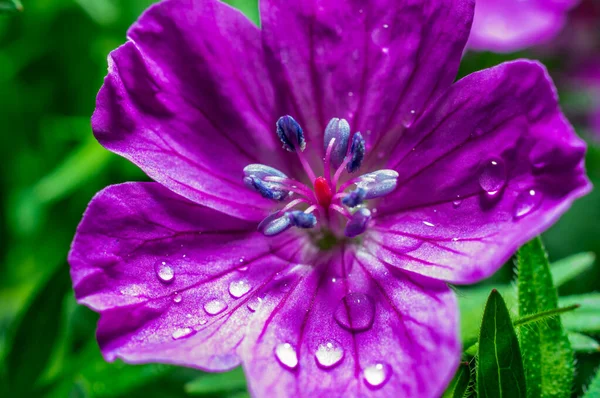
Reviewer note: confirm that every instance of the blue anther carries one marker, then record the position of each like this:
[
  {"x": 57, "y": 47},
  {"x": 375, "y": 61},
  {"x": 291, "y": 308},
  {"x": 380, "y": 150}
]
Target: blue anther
[
  {"x": 290, "y": 133},
  {"x": 254, "y": 179},
  {"x": 378, "y": 183},
  {"x": 340, "y": 130},
  {"x": 274, "y": 224},
  {"x": 301, "y": 220},
  {"x": 358, "y": 223},
  {"x": 355, "y": 197},
  {"x": 357, "y": 153}
]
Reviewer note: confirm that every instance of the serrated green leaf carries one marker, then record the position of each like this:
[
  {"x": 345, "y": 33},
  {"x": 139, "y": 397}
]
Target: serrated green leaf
[
  {"x": 33, "y": 339},
  {"x": 499, "y": 366},
  {"x": 10, "y": 6},
  {"x": 471, "y": 302},
  {"x": 460, "y": 384},
  {"x": 593, "y": 389},
  {"x": 547, "y": 354},
  {"x": 583, "y": 344},
  {"x": 587, "y": 317},
  {"x": 570, "y": 267},
  {"x": 217, "y": 383}
]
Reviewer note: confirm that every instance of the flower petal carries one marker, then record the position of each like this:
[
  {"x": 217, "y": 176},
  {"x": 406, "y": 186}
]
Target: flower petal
[
  {"x": 169, "y": 277},
  {"x": 189, "y": 100},
  {"x": 492, "y": 164},
  {"x": 511, "y": 25},
  {"x": 311, "y": 342},
  {"x": 375, "y": 63}
]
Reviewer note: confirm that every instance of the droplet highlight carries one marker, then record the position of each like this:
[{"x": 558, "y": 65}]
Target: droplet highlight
[
  {"x": 286, "y": 355},
  {"x": 377, "y": 375},
  {"x": 177, "y": 298},
  {"x": 526, "y": 202},
  {"x": 181, "y": 333},
  {"x": 355, "y": 312},
  {"x": 329, "y": 354},
  {"x": 238, "y": 288},
  {"x": 214, "y": 307},
  {"x": 493, "y": 176},
  {"x": 164, "y": 272},
  {"x": 254, "y": 304}
]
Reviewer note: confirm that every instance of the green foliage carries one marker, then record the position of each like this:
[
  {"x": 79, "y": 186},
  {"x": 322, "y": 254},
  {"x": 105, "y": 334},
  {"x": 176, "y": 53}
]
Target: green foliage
[
  {"x": 500, "y": 370},
  {"x": 547, "y": 354},
  {"x": 10, "y": 6},
  {"x": 583, "y": 344},
  {"x": 460, "y": 387},
  {"x": 570, "y": 267},
  {"x": 218, "y": 383},
  {"x": 587, "y": 318},
  {"x": 593, "y": 390}
]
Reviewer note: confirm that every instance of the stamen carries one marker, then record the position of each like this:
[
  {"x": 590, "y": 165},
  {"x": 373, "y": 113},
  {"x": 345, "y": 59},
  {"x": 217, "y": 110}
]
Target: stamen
[
  {"x": 357, "y": 153},
  {"x": 256, "y": 178},
  {"x": 337, "y": 129},
  {"x": 344, "y": 212},
  {"x": 292, "y": 185},
  {"x": 274, "y": 224},
  {"x": 327, "y": 166},
  {"x": 358, "y": 223},
  {"x": 355, "y": 197},
  {"x": 301, "y": 219},
  {"x": 378, "y": 183},
  {"x": 290, "y": 133}
]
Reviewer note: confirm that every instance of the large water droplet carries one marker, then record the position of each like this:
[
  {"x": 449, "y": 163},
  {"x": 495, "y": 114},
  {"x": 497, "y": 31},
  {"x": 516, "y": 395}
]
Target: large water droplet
[
  {"x": 409, "y": 119},
  {"x": 526, "y": 202},
  {"x": 164, "y": 272},
  {"x": 355, "y": 312},
  {"x": 181, "y": 333},
  {"x": 177, "y": 298},
  {"x": 286, "y": 355},
  {"x": 377, "y": 375},
  {"x": 329, "y": 354},
  {"x": 238, "y": 288},
  {"x": 214, "y": 307},
  {"x": 254, "y": 304},
  {"x": 493, "y": 176}
]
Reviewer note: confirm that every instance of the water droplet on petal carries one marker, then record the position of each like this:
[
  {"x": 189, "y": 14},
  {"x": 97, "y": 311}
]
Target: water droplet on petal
[
  {"x": 493, "y": 176},
  {"x": 181, "y": 333},
  {"x": 355, "y": 312},
  {"x": 409, "y": 119},
  {"x": 541, "y": 155},
  {"x": 329, "y": 354},
  {"x": 214, "y": 307},
  {"x": 456, "y": 204},
  {"x": 377, "y": 375},
  {"x": 164, "y": 272},
  {"x": 526, "y": 202},
  {"x": 254, "y": 304},
  {"x": 429, "y": 224},
  {"x": 177, "y": 298},
  {"x": 286, "y": 355},
  {"x": 238, "y": 288}
]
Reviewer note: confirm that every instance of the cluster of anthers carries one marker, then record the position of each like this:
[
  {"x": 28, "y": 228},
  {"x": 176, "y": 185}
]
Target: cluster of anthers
[{"x": 328, "y": 199}]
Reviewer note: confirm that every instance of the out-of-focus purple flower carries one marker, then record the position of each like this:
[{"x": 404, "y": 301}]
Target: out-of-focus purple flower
[
  {"x": 512, "y": 25},
  {"x": 585, "y": 82},
  {"x": 323, "y": 299}
]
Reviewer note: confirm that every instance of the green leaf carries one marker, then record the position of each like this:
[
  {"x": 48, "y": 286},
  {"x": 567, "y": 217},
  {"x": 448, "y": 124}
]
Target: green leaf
[
  {"x": 248, "y": 7},
  {"x": 10, "y": 6},
  {"x": 583, "y": 344},
  {"x": 471, "y": 302},
  {"x": 587, "y": 317},
  {"x": 459, "y": 386},
  {"x": 593, "y": 390},
  {"x": 33, "y": 339},
  {"x": 570, "y": 267},
  {"x": 217, "y": 383},
  {"x": 500, "y": 366},
  {"x": 547, "y": 354}
]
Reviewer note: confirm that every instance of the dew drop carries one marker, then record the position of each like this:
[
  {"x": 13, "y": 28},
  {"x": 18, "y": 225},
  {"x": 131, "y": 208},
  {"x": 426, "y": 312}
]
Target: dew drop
[
  {"x": 238, "y": 288},
  {"x": 214, "y": 307},
  {"x": 164, "y": 272},
  {"x": 541, "y": 155},
  {"x": 329, "y": 354},
  {"x": 177, "y": 298},
  {"x": 429, "y": 224},
  {"x": 456, "y": 204},
  {"x": 254, "y": 304},
  {"x": 181, "y": 333},
  {"x": 377, "y": 375},
  {"x": 355, "y": 312},
  {"x": 526, "y": 202},
  {"x": 385, "y": 50},
  {"x": 286, "y": 355},
  {"x": 493, "y": 176},
  {"x": 409, "y": 119}
]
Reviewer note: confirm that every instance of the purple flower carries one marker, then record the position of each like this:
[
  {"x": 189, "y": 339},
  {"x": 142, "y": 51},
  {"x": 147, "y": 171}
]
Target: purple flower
[
  {"x": 512, "y": 25},
  {"x": 322, "y": 266}
]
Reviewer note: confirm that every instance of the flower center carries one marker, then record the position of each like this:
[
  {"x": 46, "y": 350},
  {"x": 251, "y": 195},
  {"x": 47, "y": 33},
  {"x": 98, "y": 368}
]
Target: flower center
[{"x": 335, "y": 207}]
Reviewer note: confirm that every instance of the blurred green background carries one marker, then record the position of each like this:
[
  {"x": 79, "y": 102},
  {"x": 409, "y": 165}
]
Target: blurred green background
[{"x": 52, "y": 62}]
